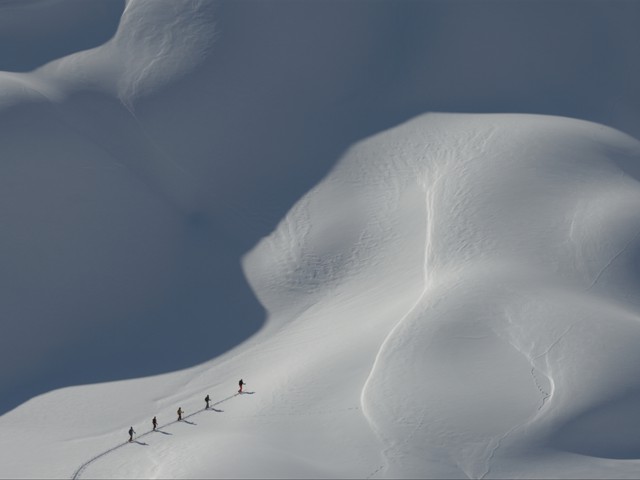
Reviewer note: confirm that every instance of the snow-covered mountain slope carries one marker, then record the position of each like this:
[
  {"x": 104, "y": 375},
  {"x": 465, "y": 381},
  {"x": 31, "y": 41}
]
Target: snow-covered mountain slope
[
  {"x": 509, "y": 245},
  {"x": 137, "y": 172},
  {"x": 195, "y": 192},
  {"x": 458, "y": 298}
]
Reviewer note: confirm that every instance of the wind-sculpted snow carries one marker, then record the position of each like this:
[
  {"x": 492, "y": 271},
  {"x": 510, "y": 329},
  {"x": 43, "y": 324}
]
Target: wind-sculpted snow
[
  {"x": 518, "y": 236},
  {"x": 195, "y": 192},
  {"x": 526, "y": 217},
  {"x": 455, "y": 299}
]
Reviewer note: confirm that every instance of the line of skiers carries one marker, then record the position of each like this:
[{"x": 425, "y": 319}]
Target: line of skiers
[{"x": 154, "y": 422}]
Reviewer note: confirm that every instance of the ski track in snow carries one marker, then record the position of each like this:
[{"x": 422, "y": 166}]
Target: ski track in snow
[{"x": 84, "y": 466}]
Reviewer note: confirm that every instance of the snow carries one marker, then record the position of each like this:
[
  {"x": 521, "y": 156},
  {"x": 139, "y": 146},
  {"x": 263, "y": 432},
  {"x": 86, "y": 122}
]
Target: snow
[{"x": 196, "y": 192}]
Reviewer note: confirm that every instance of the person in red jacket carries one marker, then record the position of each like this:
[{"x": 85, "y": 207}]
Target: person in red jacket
[{"x": 240, "y": 384}]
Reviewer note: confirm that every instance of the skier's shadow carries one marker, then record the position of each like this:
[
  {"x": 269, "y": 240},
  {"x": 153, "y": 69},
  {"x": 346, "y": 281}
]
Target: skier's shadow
[
  {"x": 215, "y": 410},
  {"x": 164, "y": 433},
  {"x": 246, "y": 393},
  {"x": 140, "y": 443},
  {"x": 190, "y": 423}
]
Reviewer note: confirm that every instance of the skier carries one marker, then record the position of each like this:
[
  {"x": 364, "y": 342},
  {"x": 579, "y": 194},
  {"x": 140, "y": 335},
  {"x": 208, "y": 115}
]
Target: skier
[
  {"x": 154, "y": 422},
  {"x": 179, "y": 413},
  {"x": 241, "y": 383},
  {"x": 206, "y": 399},
  {"x": 131, "y": 432}
]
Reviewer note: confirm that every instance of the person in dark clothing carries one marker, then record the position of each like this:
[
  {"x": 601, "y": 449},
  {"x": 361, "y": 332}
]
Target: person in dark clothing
[
  {"x": 131, "y": 432},
  {"x": 206, "y": 400},
  {"x": 240, "y": 384},
  {"x": 154, "y": 422},
  {"x": 180, "y": 413}
]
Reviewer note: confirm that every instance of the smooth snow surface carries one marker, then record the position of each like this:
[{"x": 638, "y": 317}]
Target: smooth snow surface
[{"x": 201, "y": 192}]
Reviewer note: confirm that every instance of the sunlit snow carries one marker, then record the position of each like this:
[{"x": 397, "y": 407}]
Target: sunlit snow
[{"x": 412, "y": 228}]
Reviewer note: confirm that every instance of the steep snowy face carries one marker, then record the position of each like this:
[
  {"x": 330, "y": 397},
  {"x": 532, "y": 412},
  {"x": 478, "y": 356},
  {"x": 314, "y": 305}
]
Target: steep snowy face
[{"x": 516, "y": 239}]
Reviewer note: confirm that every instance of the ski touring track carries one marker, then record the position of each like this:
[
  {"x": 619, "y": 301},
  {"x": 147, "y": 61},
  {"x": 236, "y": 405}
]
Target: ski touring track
[{"x": 84, "y": 466}]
